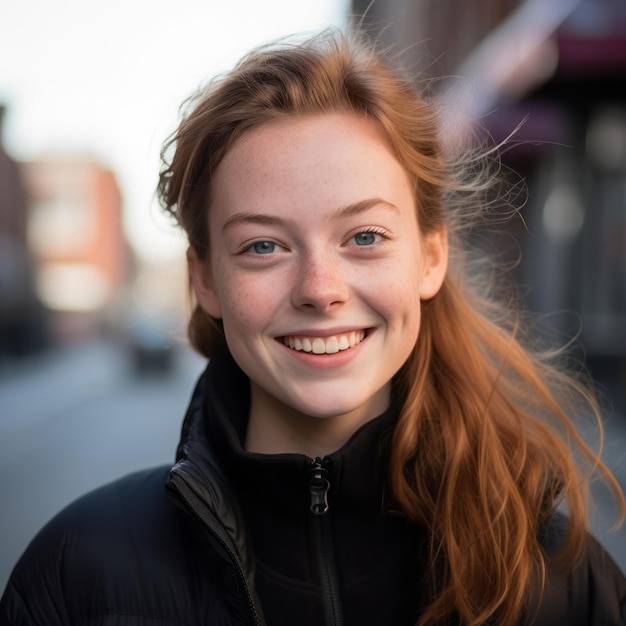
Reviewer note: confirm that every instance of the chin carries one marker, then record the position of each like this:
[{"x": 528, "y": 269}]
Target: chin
[{"x": 335, "y": 410}]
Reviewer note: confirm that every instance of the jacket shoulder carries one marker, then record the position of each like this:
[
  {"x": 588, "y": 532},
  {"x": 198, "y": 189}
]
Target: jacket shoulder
[
  {"x": 120, "y": 518},
  {"x": 112, "y": 552},
  {"x": 593, "y": 593}
]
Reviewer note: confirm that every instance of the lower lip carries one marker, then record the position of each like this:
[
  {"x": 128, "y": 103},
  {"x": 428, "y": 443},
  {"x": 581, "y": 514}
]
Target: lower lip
[{"x": 325, "y": 361}]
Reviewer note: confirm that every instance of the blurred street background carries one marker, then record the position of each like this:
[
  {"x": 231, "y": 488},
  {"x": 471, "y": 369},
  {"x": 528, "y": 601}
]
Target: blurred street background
[
  {"x": 79, "y": 417},
  {"x": 94, "y": 373}
]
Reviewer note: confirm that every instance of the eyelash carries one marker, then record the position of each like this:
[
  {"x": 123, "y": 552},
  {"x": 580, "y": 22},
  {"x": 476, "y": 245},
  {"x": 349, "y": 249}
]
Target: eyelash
[
  {"x": 247, "y": 248},
  {"x": 374, "y": 231}
]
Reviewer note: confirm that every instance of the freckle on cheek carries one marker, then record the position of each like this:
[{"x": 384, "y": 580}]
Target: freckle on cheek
[{"x": 242, "y": 311}]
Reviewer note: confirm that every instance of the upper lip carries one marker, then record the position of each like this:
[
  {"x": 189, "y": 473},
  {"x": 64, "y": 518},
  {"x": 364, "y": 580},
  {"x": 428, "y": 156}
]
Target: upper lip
[{"x": 325, "y": 332}]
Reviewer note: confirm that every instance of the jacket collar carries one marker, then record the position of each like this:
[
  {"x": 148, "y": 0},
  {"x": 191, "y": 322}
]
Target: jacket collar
[
  {"x": 264, "y": 500},
  {"x": 357, "y": 469},
  {"x": 212, "y": 460}
]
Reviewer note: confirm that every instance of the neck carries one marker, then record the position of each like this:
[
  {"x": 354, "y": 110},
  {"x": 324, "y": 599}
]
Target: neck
[{"x": 275, "y": 428}]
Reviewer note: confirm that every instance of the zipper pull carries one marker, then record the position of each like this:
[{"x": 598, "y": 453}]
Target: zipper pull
[{"x": 318, "y": 488}]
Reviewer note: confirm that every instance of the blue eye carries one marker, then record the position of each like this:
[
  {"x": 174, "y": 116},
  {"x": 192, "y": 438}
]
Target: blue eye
[
  {"x": 263, "y": 247},
  {"x": 365, "y": 239}
]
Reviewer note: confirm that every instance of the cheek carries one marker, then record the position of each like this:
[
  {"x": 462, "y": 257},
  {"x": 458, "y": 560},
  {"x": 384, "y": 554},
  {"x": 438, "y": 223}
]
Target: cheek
[
  {"x": 396, "y": 293},
  {"x": 246, "y": 302},
  {"x": 401, "y": 314}
]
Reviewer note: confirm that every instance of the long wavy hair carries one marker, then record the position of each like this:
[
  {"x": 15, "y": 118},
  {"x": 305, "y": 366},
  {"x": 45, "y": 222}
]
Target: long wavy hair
[{"x": 483, "y": 451}]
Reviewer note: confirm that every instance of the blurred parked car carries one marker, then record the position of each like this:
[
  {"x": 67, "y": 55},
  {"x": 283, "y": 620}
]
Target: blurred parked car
[{"x": 151, "y": 346}]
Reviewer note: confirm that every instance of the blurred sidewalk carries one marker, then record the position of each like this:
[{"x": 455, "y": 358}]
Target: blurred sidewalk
[{"x": 73, "y": 420}]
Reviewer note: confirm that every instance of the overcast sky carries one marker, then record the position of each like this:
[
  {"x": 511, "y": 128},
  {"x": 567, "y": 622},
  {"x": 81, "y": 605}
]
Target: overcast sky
[{"x": 105, "y": 79}]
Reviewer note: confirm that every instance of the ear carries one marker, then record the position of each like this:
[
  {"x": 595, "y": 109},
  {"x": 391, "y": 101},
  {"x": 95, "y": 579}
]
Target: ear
[
  {"x": 201, "y": 275},
  {"x": 435, "y": 263}
]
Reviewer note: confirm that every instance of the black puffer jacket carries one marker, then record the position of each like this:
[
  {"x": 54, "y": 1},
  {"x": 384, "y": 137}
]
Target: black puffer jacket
[{"x": 169, "y": 546}]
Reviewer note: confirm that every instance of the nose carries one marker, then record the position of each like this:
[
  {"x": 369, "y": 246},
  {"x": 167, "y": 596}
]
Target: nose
[{"x": 320, "y": 284}]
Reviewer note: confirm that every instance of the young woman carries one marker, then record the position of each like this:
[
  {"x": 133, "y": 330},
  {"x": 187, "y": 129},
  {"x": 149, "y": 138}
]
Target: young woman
[{"x": 372, "y": 441}]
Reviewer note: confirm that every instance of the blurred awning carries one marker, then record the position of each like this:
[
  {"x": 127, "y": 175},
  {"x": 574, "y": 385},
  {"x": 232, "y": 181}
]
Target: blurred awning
[
  {"x": 592, "y": 40},
  {"x": 539, "y": 43}
]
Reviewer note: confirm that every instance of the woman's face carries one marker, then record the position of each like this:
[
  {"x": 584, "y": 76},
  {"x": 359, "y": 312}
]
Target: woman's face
[{"x": 317, "y": 266}]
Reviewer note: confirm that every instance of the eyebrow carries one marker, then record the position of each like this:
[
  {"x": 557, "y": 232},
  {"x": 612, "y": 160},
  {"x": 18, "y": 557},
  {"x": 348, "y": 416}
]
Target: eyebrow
[{"x": 350, "y": 210}]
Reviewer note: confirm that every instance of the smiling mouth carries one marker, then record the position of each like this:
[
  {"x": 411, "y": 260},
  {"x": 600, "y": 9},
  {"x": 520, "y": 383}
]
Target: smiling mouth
[{"x": 325, "y": 345}]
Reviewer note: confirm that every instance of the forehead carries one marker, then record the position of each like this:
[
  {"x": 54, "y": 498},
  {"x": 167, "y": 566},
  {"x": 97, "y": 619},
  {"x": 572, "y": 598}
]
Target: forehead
[
  {"x": 272, "y": 137},
  {"x": 330, "y": 155}
]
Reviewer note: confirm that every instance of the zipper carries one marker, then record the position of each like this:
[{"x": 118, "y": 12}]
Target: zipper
[
  {"x": 199, "y": 510},
  {"x": 319, "y": 486}
]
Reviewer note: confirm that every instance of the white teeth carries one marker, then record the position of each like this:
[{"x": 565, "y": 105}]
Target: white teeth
[
  {"x": 327, "y": 345},
  {"x": 319, "y": 347},
  {"x": 332, "y": 345}
]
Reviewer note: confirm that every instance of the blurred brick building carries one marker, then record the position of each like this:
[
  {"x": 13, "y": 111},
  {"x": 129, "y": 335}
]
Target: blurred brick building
[{"x": 76, "y": 237}]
